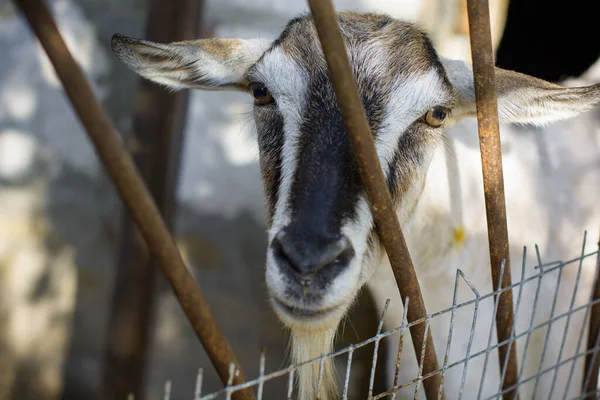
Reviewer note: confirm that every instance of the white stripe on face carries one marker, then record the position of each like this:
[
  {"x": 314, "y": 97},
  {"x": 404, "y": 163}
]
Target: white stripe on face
[
  {"x": 410, "y": 97},
  {"x": 288, "y": 83}
]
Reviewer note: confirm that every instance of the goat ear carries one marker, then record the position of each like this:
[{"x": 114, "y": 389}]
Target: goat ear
[
  {"x": 521, "y": 98},
  {"x": 209, "y": 64}
]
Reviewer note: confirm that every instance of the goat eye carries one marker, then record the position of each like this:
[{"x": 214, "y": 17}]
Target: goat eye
[
  {"x": 436, "y": 116},
  {"x": 262, "y": 95}
]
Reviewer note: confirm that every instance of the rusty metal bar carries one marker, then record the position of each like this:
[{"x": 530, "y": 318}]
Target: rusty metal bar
[
  {"x": 592, "y": 359},
  {"x": 134, "y": 194},
  {"x": 493, "y": 182},
  {"x": 155, "y": 145},
  {"x": 363, "y": 147}
]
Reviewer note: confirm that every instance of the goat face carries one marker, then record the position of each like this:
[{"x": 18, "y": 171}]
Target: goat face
[
  {"x": 322, "y": 243},
  {"x": 322, "y": 246}
]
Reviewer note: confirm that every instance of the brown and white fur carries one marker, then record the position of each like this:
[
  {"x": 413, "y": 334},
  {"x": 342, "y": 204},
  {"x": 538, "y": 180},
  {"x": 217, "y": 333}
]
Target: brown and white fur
[{"x": 322, "y": 245}]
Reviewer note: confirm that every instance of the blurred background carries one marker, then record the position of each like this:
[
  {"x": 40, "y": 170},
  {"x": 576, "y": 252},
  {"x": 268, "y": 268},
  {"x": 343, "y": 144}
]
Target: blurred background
[{"x": 80, "y": 307}]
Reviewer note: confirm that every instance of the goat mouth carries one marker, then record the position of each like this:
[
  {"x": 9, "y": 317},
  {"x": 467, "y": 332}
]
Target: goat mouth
[{"x": 303, "y": 313}]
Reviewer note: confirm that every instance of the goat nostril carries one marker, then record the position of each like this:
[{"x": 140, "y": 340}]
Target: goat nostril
[
  {"x": 281, "y": 256},
  {"x": 308, "y": 258},
  {"x": 343, "y": 257}
]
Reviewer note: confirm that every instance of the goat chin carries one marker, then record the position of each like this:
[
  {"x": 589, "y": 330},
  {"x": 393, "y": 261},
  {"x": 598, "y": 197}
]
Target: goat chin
[{"x": 307, "y": 345}]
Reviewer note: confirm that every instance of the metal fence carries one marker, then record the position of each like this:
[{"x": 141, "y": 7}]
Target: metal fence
[{"x": 532, "y": 279}]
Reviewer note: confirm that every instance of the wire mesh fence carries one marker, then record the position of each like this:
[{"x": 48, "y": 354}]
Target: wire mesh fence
[{"x": 552, "y": 309}]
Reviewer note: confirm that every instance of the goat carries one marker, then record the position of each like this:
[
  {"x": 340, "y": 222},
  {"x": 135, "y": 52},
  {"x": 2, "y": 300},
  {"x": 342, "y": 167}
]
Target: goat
[{"x": 322, "y": 244}]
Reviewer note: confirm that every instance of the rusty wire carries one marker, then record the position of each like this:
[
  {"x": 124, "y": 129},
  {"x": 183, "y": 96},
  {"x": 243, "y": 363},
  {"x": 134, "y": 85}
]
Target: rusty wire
[
  {"x": 493, "y": 183},
  {"x": 134, "y": 194},
  {"x": 384, "y": 215},
  {"x": 592, "y": 359}
]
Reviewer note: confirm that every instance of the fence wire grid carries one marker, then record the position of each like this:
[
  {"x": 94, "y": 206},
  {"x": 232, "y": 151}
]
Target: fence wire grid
[{"x": 563, "y": 282}]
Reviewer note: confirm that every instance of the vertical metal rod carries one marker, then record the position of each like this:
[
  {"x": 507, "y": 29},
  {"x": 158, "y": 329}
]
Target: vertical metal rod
[
  {"x": 156, "y": 144},
  {"x": 261, "y": 374},
  {"x": 568, "y": 323},
  {"x": 493, "y": 181},
  {"x": 320, "y": 380},
  {"x": 290, "y": 385},
  {"x": 384, "y": 213},
  {"x": 167, "y": 390},
  {"x": 582, "y": 333},
  {"x": 592, "y": 359},
  {"x": 517, "y": 308},
  {"x": 533, "y": 311},
  {"x": 450, "y": 327},
  {"x": 593, "y": 391},
  {"x": 399, "y": 355},
  {"x": 376, "y": 350},
  {"x": 418, "y": 384},
  {"x": 489, "y": 344},
  {"x": 471, "y": 334},
  {"x": 198, "y": 388},
  {"x": 134, "y": 194},
  {"x": 551, "y": 320},
  {"x": 347, "y": 378}
]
